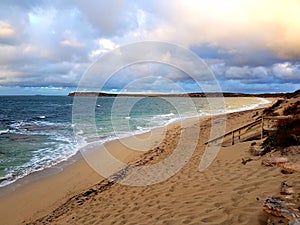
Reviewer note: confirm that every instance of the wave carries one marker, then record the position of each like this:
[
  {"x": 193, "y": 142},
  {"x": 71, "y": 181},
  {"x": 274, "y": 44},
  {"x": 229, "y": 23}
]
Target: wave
[
  {"x": 59, "y": 150},
  {"x": 54, "y": 142},
  {"x": 4, "y": 131},
  {"x": 164, "y": 115},
  {"x": 62, "y": 144},
  {"x": 26, "y": 125}
]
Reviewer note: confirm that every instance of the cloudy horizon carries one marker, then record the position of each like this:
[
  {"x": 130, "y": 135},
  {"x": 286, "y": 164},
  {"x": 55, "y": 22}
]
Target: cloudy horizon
[{"x": 251, "y": 47}]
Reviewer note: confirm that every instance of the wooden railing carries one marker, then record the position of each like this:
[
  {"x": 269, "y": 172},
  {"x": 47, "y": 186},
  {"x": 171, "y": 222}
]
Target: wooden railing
[
  {"x": 267, "y": 123},
  {"x": 237, "y": 133}
]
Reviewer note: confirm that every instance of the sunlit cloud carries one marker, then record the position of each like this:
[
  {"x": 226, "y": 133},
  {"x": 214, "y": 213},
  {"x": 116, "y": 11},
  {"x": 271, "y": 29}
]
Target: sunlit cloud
[
  {"x": 52, "y": 43},
  {"x": 6, "y": 30}
]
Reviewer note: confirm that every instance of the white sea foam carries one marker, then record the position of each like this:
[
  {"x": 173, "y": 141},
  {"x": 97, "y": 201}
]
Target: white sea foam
[
  {"x": 64, "y": 146},
  {"x": 42, "y": 158},
  {"x": 4, "y": 131},
  {"x": 60, "y": 146}
]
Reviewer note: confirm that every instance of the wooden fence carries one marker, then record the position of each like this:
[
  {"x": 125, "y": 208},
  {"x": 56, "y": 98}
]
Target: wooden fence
[{"x": 257, "y": 128}]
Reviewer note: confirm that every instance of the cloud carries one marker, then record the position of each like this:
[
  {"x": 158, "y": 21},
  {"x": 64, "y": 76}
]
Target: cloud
[
  {"x": 247, "y": 73},
  {"x": 6, "y": 30},
  {"x": 232, "y": 25},
  {"x": 51, "y": 43},
  {"x": 277, "y": 73},
  {"x": 287, "y": 71},
  {"x": 22, "y": 4},
  {"x": 103, "y": 45},
  {"x": 107, "y": 18},
  {"x": 71, "y": 44}
]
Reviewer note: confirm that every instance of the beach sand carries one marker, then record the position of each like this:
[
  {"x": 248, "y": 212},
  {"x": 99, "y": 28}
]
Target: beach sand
[{"x": 227, "y": 192}]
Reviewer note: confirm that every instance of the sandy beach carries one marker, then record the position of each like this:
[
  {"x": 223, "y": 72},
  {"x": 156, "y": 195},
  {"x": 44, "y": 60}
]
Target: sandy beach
[
  {"x": 138, "y": 112},
  {"x": 227, "y": 192}
]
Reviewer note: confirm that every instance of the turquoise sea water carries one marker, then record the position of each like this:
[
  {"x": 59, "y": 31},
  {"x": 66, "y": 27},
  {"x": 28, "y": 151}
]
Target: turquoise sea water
[{"x": 36, "y": 132}]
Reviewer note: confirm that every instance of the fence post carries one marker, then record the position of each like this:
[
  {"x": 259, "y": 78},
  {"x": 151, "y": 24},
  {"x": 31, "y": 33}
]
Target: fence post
[{"x": 262, "y": 128}]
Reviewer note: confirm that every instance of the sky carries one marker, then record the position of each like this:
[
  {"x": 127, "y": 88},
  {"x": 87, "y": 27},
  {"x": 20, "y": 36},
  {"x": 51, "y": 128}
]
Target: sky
[{"x": 46, "y": 46}]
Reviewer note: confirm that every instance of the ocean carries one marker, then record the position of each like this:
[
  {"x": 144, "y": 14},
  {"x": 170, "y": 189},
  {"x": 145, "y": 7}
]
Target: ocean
[{"x": 37, "y": 132}]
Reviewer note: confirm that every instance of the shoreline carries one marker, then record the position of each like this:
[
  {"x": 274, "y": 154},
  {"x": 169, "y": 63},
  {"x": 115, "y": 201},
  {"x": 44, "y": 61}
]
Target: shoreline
[
  {"x": 74, "y": 179},
  {"x": 59, "y": 167}
]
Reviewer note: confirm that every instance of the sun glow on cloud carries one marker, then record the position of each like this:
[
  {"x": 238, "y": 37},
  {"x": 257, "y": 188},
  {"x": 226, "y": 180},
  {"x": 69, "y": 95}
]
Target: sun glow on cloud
[
  {"x": 243, "y": 41},
  {"x": 6, "y": 30},
  {"x": 274, "y": 25}
]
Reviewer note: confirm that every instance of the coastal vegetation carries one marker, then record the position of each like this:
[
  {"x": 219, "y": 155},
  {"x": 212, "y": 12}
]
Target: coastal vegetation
[{"x": 288, "y": 130}]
